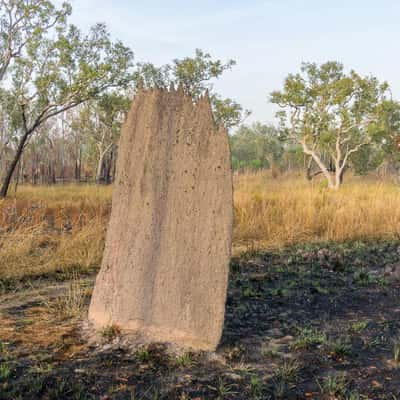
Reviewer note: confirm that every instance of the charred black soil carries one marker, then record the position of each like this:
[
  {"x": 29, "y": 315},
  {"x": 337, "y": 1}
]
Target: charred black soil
[{"x": 309, "y": 322}]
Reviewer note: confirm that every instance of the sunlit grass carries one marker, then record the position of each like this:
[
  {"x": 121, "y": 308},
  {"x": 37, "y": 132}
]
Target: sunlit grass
[
  {"x": 63, "y": 194},
  {"x": 273, "y": 213},
  {"x": 49, "y": 229},
  {"x": 62, "y": 228}
]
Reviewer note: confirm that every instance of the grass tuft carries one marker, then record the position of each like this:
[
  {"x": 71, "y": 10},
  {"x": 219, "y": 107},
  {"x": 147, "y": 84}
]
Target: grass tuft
[{"x": 72, "y": 304}]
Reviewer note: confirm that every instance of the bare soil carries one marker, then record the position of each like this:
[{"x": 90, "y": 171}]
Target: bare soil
[{"x": 309, "y": 322}]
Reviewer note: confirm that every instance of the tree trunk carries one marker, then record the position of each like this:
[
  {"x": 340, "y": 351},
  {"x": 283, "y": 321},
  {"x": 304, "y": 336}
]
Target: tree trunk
[
  {"x": 99, "y": 173},
  {"x": 114, "y": 168},
  {"x": 19, "y": 173},
  {"x": 308, "y": 169},
  {"x": 5, "y": 64},
  {"x": 109, "y": 165},
  {"x": 342, "y": 175},
  {"x": 78, "y": 162},
  {"x": 340, "y": 170},
  {"x": 13, "y": 165},
  {"x": 100, "y": 165},
  {"x": 322, "y": 167}
]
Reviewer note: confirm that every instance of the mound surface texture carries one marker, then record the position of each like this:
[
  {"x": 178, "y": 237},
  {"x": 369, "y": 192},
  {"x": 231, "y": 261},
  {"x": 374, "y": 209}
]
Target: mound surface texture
[{"x": 165, "y": 268}]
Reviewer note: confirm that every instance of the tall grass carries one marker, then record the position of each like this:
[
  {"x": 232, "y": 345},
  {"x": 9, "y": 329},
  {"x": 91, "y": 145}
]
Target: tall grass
[
  {"x": 273, "y": 213},
  {"x": 62, "y": 228},
  {"x": 49, "y": 229}
]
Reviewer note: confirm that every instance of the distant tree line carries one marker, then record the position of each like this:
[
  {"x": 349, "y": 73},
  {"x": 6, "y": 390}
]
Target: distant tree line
[{"x": 262, "y": 147}]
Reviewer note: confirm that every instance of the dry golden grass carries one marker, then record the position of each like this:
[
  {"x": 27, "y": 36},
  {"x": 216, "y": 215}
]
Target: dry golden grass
[
  {"x": 72, "y": 303},
  {"x": 48, "y": 229},
  {"x": 274, "y": 213},
  {"x": 62, "y": 228}
]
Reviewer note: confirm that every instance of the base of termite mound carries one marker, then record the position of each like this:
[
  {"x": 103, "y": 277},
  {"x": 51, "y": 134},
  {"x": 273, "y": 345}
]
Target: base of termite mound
[{"x": 113, "y": 338}]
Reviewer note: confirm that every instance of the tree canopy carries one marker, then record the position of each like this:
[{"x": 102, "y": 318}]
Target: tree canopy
[
  {"x": 55, "y": 69},
  {"x": 331, "y": 114},
  {"x": 195, "y": 75},
  {"x": 24, "y": 23}
]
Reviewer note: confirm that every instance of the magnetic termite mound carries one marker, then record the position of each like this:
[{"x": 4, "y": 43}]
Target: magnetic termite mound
[{"x": 165, "y": 267}]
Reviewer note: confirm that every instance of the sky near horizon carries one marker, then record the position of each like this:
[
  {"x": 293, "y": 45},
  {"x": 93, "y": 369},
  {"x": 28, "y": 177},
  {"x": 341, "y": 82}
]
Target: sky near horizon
[{"x": 267, "y": 38}]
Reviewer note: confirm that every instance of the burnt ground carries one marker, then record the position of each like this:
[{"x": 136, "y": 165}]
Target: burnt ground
[{"x": 309, "y": 322}]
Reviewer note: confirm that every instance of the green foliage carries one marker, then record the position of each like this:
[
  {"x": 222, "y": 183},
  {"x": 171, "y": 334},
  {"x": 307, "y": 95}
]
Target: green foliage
[
  {"x": 310, "y": 337},
  {"x": 340, "y": 347},
  {"x": 331, "y": 114},
  {"x": 334, "y": 385},
  {"x": 288, "y": 371},
  {"x": 23, "y": 24},
  {"x": 359, "y": 326},
  {"x": 388, "y": 129},
  {"x": 143, "y": 355},
  {"x": 363, "y": 278},
  {"x": 257, "y": 146},
  {"x": 256, "y": 387},
  {"x": 185, "y": 360},
  {"x": 227, "y": 111},
  {"x": 58, "y": 74},
  {"x": 223, "y": 390},
  {"x": 195, "y": 76},
  {"x": 55, "y": 69},
  {"x": 195, "y": 73},
  {"x": 367, "y": 159},
  {"x": 5, "y": 371}
]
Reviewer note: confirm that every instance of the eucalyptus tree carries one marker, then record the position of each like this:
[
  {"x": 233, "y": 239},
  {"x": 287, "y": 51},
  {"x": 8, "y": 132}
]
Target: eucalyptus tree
[
  {"x": 331, "y": 114},
  {"x": 196, "y": 76},
  {"x": 25, "y": 22},
  {"x": 62, "y": 70}
]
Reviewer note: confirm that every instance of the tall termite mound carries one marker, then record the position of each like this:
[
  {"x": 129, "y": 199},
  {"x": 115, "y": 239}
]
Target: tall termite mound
[{"x": 165, "y": 268}]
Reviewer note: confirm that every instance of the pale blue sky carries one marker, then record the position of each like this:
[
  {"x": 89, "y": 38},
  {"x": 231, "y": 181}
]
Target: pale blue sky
[{"x": 267, "y": 38}]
